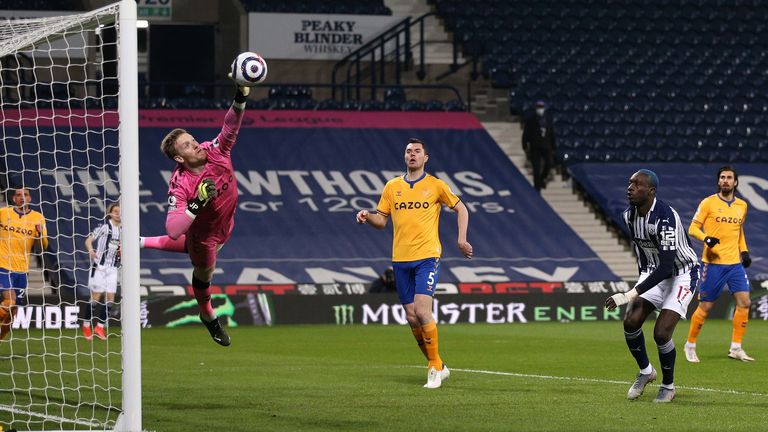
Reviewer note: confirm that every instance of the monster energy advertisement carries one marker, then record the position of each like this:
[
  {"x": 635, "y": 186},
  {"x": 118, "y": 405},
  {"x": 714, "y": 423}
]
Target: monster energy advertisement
[
  {"x": 233, "y": 311},
  {"x": 260, "y": 308}
]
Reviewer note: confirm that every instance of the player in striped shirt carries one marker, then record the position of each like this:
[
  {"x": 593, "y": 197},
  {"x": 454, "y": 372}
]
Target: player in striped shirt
[
  {"x": 669, "y": 272},
  {"x": 719, "y": 223},
  {"x": 21, "y": 228},
  {"x": 202, "y": 198},
  {"x": 105, "y": 265},
  {"x": 414, "y": 201}
]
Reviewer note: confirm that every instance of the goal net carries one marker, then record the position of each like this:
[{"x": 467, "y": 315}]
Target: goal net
[{"x": 68, "y": 125}]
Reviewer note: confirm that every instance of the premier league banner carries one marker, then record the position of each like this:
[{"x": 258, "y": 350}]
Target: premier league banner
[
  {"x": 683, "y": 186},
  {"x": 302, "y": 176}
]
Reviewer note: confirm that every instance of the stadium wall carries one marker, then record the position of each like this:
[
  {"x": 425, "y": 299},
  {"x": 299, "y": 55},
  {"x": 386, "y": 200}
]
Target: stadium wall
[
  {"x": 302, "y": 175},
  {"x": 345, "y": 304}
]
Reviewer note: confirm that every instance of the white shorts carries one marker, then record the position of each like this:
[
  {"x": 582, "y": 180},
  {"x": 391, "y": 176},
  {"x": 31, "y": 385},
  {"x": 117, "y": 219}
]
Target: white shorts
[
  {"x": 674, "y": 293},
  {"x": 103, "y": 279}
]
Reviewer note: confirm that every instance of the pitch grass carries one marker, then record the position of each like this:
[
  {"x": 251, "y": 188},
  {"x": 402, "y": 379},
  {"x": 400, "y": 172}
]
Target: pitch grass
[
  {"x": 519, "y": 377},
  {"x": 569, "y": 377}
]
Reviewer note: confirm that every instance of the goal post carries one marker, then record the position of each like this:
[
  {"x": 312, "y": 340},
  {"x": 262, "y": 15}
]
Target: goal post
[
  {"x": 69, "y": 128},
  {"x": 129, "y": 180}
]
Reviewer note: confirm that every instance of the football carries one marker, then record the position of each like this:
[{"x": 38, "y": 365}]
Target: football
[{"x": 249, "y": 69}]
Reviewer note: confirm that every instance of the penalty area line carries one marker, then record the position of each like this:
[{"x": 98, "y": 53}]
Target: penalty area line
[{"x": 599, "y": 381}]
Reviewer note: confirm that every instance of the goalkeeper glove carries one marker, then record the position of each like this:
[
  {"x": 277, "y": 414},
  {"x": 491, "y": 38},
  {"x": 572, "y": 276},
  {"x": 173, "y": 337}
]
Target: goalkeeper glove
[
  {"x": 624, "y": 298},
  {"x": 711, "y": 241},
  {"x": 241, "y": 94},
  {"x": 746, "y": 261},
  {"x": 206, "y": 191}
]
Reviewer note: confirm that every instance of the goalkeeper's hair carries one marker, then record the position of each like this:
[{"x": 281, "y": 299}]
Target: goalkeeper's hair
[{"x": 167, "y": 145}]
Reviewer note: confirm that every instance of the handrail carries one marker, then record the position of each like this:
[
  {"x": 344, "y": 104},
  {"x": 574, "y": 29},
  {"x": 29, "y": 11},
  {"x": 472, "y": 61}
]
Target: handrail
[
  {"x": 372, "y": 48},
  {"x": 400, "y": 32}
]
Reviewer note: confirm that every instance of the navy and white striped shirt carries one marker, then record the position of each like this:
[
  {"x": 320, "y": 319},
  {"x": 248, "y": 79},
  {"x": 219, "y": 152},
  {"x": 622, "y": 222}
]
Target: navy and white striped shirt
[
  {"x": 660, "y": 231},
  {"x": 107, "y": 238}
]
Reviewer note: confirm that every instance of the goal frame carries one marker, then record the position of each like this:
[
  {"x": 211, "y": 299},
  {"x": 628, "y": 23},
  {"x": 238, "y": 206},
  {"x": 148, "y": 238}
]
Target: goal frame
[
  {"x": 128, "y": 108},
  {"x": 129, "y": 418}
]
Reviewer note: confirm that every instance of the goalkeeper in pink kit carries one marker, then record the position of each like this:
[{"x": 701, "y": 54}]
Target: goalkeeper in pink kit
[{"x": 202, "y": 198}]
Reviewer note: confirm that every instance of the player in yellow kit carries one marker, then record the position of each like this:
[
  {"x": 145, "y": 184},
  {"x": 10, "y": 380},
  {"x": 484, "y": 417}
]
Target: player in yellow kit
[
  {"x": 414, "y": 202},
  {"x": 719, "y": 223},
  {"x": 20, "y": 228}
]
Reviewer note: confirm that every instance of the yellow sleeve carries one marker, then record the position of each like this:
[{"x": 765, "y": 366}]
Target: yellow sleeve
[
  {"x": 385, "y": 202},
  {"x": 695, "y": 229},
  {"x": 742, "y": 239},
  {"x": 447, "y": 196},
  {"x": 44, "y": 234}
]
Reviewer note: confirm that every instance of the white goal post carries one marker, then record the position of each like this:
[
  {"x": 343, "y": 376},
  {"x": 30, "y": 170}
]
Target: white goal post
[{"x": 69, "y": 129}]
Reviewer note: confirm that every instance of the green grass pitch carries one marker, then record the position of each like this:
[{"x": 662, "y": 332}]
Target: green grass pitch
[
  {"x": 519, "y": 377},
  {"x": 549, "y": 376}
]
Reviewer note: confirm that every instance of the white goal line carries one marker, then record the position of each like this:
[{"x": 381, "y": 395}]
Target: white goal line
[
  {"x": 599, "y": 381},
  {"x": 50, "y": 417}
]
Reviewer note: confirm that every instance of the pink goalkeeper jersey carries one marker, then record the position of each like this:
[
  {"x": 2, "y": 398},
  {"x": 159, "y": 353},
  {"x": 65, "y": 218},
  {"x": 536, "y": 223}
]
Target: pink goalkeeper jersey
[{"x": 215, "y": 221}]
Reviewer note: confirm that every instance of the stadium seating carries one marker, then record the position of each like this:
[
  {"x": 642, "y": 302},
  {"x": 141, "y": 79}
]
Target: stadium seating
[
  {"x": 354, "y": 7},
  {"x": 681, "y": 184},
  {"x": 662, "y": 73},
  {"x": 49, "y": 5},
  {"x": 291, "y": 99}
]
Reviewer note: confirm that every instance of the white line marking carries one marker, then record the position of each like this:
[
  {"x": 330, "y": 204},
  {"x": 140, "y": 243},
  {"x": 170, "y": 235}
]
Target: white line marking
[
  {"x": 601, "y": 381},
  {"x": 50, "y": 417}
]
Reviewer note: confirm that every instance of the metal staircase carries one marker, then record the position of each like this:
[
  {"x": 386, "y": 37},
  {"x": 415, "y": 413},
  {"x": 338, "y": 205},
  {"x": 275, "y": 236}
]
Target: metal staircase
[{"x": 438, "y": 45}]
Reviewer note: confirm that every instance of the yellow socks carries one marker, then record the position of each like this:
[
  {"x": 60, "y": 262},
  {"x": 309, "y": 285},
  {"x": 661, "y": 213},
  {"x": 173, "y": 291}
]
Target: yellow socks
[
  {"x": 417, "y": 333},
  {"x": 697, "y": 320},
  {"x": 740, "y": 318},
  {"x": 429, "y": 331}
]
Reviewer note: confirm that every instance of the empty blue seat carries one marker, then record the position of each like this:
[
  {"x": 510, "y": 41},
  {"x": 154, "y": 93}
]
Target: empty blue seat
[
  {"x": 329, "y": 104},
  {"x": 414, "y": 105},
  {"x": 455, "y": 105},
  {"x": 435, "y": 105}
]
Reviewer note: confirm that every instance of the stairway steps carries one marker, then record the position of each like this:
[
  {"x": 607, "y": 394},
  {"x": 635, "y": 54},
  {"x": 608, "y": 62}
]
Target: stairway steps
[{"x": 566, "y": 202}]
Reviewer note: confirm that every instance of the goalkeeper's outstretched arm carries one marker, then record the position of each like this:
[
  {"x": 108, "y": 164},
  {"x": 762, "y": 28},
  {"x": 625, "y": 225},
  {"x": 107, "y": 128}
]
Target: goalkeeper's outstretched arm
[
  {"x": 241, "y": 96},
  {"x": 233, "y": 119}
]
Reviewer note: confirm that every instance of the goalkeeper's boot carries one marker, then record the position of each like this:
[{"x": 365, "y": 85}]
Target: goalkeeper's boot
[
  {"x": 638, "y": 387},
  {"x": 690, "y": 353},
  {"x": 217, "y": 332},
  {"x": 434, "y": 379},
  {"x": 739, "y": 354},
  {"x": 665, "y": 395},
  {"x": 99, "y": 332},
  {"x": 87, "y": 333}
]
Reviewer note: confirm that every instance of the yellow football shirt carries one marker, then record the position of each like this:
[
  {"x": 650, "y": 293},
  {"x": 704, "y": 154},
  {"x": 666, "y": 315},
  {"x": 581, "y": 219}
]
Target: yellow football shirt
[
  {"x": 724, "y": 220},
  {"x": 415, "y": 211},
  {"x": 17, "y": 236}
]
